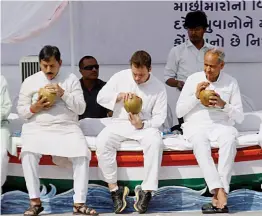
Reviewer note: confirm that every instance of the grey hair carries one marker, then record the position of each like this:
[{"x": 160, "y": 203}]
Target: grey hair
[{"x": 217, "y": 51}]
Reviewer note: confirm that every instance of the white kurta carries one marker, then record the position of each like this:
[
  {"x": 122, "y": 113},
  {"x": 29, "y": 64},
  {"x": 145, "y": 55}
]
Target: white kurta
[
  {"x": 153, "y": 114},
  {"x": 154, "y": 108},
  {"x": 195, "y": 114},
  {"x": 6, "y": 106},
  {"x": 204, "y": 125},
  {"x": 54, "y": 131}
]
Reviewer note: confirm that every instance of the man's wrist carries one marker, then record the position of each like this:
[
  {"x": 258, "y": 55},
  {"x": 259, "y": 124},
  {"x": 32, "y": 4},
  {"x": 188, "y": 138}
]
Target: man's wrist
[
  {"x": 223, "y": 105},
  {"x": 141, "y": 126},
  {"x": 226, "y": 108},
  {"x": 62, "y": 93},
  {"x": 32, "y": 110}
]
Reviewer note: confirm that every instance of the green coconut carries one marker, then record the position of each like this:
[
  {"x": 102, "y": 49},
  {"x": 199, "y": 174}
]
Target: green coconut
[{"x": 133, "y": 105}]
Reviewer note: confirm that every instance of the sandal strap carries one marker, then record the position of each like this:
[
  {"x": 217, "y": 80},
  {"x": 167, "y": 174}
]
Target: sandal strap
[
  {"x": 34, "y": 210},
  {"x": 83, "y": 209}
]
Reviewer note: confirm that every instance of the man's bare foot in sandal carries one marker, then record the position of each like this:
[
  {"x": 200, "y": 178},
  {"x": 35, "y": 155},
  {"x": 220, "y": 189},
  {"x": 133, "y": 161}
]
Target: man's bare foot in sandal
[
  {"x": 214, "y": 200},
  {"x": 35, "y": 208},
  {"x": 82, "y": 209},
  {"x": 222, "y": 198}
]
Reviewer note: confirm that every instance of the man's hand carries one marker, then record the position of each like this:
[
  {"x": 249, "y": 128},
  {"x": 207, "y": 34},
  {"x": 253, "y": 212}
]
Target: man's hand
[
  {"x": 201, "y": 86},
  {"x": 135, "y": 120},
  {"x": 124, "y": 96},
  {"x": 41, "y": 104},
  {"x": 55, "y": 88},
  {"x": 180, "y": 84},
  {"x": 216, "y": 101}
]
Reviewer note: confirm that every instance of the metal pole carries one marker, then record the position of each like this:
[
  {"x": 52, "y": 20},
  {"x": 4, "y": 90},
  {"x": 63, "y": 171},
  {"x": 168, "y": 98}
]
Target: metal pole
[{"x": 71, "y": 29}]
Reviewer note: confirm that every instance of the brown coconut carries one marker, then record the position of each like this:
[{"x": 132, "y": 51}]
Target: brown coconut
[
  {"x": 133, "y": 105},
  {"x": 204, "y": 96},
  {"x": 51, "y": 97}
]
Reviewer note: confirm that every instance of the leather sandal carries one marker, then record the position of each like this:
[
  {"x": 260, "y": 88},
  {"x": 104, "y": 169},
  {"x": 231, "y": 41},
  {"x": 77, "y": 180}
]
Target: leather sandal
[
  {"x": 34, "y": 210},
  {"x": 84, "y": 210},
  {"x": 210, "y": 209}
]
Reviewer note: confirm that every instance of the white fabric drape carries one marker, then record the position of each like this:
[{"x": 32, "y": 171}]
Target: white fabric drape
[{"x": 24, "y": 19}]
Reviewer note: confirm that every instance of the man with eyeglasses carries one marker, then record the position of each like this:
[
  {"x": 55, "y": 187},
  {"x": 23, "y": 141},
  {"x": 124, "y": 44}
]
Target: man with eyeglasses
[
  {"x": 91, "y": 85},
  {"x": 187, "y": 58}
]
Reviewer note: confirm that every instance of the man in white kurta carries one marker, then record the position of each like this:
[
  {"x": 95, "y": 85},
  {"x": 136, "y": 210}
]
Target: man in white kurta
[
  {"x": 213, "y": 123},
  {"x": 187, "y": 58},
  {"x": 143, "y": 127},
  {"x": 6, "y": 106},
  {"x": 53, "y": 130}
]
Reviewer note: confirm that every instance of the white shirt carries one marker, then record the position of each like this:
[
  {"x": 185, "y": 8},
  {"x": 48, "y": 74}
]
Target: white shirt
[
  {"x": 54, "y": 131},
  {"x": 194, "y": 113},
  {"x": 65, "y": 110},
  {"x": 184, "y": 60},
  {"x": 152, "y": 92}
]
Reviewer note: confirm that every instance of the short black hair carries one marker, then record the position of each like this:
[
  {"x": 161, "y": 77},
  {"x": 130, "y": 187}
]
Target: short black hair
[
  {"x": 195, "y": 19},
  {"x": 80, "y": 64},
  {"x": 49, "y": 51}
]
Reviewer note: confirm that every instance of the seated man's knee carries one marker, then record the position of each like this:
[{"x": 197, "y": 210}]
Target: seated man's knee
[
  {"x": 228, "y": 141},
  {"x": 29, "y": 156},
  {"x": 228, "y": 138},
  {"x": 102, "y": 140},
  {"x": 79, "y": 160},
  {"x": 153, "y": 137},
  {"x": 198, "y": 139}
]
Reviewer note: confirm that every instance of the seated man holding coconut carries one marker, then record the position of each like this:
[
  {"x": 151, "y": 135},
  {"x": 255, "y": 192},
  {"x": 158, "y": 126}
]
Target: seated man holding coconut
[
  {"x": 210, "y": 103},
  {"x": 139, "y": 104},
  {"x": 51, "y": 101}
]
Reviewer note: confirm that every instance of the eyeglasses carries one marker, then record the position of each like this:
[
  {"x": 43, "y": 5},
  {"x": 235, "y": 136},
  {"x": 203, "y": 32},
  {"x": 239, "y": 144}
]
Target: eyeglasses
[{"x": 90, "y": 67}]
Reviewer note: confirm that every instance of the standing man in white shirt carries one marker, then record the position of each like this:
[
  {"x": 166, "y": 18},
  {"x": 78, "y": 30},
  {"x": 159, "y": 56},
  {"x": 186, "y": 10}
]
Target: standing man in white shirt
[
  {"x": 187, "y": 58},
  {"x": 53, "y": 129},
  {"x": 142, "y": 127},
  {"x": 6, "y": 106},
  {"x": 213, "y": 123}
]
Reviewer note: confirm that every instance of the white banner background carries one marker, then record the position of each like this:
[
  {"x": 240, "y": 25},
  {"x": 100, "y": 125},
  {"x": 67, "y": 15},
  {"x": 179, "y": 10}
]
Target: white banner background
[
  {"x": 117, "y": 29},
  {"x": 112, "y": 31}
]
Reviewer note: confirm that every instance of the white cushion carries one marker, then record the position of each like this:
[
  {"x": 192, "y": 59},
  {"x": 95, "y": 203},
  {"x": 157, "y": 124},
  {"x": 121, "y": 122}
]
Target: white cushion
[
  {"x": 260, "y": 136},
  {"x": 251, "y": 122}
]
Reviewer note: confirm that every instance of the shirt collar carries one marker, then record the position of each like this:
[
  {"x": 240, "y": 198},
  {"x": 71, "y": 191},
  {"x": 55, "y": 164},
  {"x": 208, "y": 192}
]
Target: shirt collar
[
  {"x": 189, "y": 44},
  {"x": 98, "y": 83},
  {"x": 218, "y": 79}
]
